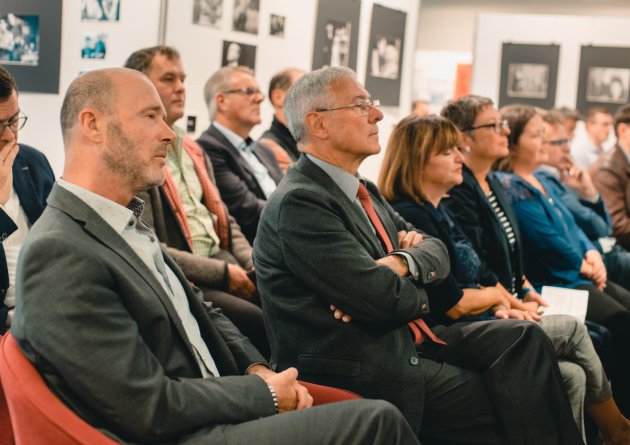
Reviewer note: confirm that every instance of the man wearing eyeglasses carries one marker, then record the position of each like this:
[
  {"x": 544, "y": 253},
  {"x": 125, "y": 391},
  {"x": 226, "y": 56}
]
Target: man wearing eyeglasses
[
  {"x": 576, "y": 190},
  {"x": 187, "y": 212},
  {"x": 25, "y": 182},
  {"x": 246, "y": 171},
  {"x": 342, "y": 278}
]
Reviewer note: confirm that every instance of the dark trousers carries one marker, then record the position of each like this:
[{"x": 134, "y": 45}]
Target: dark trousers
[
  {"x": 357, "y": 422},
  {"x": 611, "y": 309},
  {"x": 496, "y": 382}
]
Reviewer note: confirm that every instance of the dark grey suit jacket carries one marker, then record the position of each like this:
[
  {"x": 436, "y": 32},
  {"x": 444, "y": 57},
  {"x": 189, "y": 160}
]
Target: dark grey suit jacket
[
  {"x": 106, "y": 338},
  {"x": 315, "y": 248},
  {"x": 236, "y": 180}
]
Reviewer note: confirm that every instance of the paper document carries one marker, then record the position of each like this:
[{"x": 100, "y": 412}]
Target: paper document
[{"x": 565, "y": 301}]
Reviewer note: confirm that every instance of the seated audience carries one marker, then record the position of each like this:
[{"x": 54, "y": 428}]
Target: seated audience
[
  {"x": 574, "y": 187},
  {"x": 556, "y": 251},
  {"x": 128, "y": 344},
  {"x": 187, "y": 214},
  {"x": 343, "y": 279},
  {"x": 25, "y": 181},
  {"x": 610, "y": 175},
  {"x": 278, "y": 137},
  {"x": 571, "y": 118},
  {"x": 598, "y": 123},
  {"x": 246, "y": 172},
  {"x": 422, "y": 163}
]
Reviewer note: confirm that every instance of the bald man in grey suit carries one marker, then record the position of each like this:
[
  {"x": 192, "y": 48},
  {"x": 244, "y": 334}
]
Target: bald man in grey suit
[{"x": 114, "y": 327}]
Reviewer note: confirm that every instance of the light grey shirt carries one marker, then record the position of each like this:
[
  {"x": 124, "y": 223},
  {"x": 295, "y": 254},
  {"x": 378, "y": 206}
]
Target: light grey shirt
[
  {"x": 349, "y": 185},
  {"x": 144, "y": 244},
  {"x": 246, "y": 150}
]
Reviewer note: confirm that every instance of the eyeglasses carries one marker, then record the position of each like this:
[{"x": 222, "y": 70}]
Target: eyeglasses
[
  {"x": 562, "y": 142},
  {"x": 363, "y": 105},
  {"x": 15, "y": 125},
  {"x": 498, "y": 127},
  {"x": 249, "y": 91}
]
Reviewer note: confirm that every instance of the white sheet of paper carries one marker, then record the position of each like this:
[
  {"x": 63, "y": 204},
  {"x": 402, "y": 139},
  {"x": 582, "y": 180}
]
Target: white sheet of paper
[{"x": 565, "y": 301}]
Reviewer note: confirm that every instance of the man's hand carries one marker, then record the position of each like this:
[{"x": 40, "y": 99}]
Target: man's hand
[
  {"x": 291, "y": 395},
  {"x": 408, "y": 239},
  {"x": 516, "y": 313},
  {"x": 580, "y": 180},
  {"x": 239, "y": 283},
  {"x": 339, "y": 315},
  {"x": 599, "y": 274},
  {"x": 7, "y": 156}
]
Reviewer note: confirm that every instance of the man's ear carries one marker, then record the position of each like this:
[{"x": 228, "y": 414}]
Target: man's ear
[
  {"x": 92, "y": 124},
  {"x": 316, "y": 125},
  {"x": 220, "y": 100},
  {"x": 277, "y": 98}
]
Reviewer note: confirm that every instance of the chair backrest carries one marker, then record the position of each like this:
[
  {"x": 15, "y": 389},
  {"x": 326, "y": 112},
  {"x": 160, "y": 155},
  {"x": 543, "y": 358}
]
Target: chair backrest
[
  {"x": 37, "y": 415},
  {"x": 6, "y": 432}
]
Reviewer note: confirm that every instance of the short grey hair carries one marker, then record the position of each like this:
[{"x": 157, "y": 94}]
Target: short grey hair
[
  {"x": 309, "y": 93},
  {"x": 463, "y": 111},
  {"x": 218, "y": 82}
]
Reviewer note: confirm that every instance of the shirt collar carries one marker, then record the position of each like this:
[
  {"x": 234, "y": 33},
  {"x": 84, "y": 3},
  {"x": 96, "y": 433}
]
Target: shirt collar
[
  {"x": 117, "y": 216},
  {"x": 348, "y": 183},
  {"x": 240, "y": 143}
]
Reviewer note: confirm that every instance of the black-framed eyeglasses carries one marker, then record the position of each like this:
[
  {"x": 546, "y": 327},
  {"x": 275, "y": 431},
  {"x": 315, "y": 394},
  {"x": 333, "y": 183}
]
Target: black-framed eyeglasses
[
  {"x": 15, "y": 125},
  {"x": 363, "y": 105},
  {"x": 249, "y": 91},
  {"x": 562, "y": 142},
  {"x": 498, "y": 126}
]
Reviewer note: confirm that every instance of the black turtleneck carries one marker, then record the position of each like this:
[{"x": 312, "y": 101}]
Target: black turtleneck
[{"x": 281, "y": 134}]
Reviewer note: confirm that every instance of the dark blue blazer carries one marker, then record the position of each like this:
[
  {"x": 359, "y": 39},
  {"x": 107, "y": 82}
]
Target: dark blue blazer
[{"x": 32, "y": 180}]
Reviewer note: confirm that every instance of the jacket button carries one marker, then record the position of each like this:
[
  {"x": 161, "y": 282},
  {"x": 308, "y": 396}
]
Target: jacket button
[
  {"x": 432, "y": 275},
  {"x": 423, "y": 307},
  {"x": 414, "y": 361}
]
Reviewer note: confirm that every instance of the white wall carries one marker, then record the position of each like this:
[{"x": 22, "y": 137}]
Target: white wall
[
  {"x": 201, "y": 48},
  {"x": 494, "y": 29},
  {"x": 138, "y": 27}
]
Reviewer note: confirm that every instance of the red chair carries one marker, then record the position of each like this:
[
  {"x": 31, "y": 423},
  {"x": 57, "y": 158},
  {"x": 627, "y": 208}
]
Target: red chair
[
  {"x": 37, "y": 415},
  {"x": 6, "y": 432},
  {"x": 327, "y": 394}
]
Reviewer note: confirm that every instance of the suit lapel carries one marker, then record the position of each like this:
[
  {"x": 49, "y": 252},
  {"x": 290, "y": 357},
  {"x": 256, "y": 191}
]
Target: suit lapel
[
  {"x": 23, "y": 184},
  {"x": 68, "y": 203},
  {"x": 232, "y": 150},
  {"x": 361, "y": 222}
]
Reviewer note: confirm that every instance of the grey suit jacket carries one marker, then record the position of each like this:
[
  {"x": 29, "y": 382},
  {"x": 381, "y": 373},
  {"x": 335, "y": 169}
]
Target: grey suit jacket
[
  {"x": 106, "y": 338},
  {"x": 315, "y": 248},
  {"x": 202, "y": 271}
]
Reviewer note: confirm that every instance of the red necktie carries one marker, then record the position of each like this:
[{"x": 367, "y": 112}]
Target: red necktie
[{"x": 417, "y": 326}]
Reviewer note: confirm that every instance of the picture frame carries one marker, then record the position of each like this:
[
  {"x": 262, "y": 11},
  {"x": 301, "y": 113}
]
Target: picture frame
[
  {"x": 604, "y": 78},
  {"x": 529, "y": 74},
  {"x": 336, "y": 34},
  {"x": 42, "y": 77}
]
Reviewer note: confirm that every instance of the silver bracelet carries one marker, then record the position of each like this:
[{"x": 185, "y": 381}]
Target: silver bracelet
[{"x": 274, "y": 396}]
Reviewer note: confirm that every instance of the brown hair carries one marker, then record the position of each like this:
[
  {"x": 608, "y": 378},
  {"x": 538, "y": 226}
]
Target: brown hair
[
  {"x": 141, "y": 60},
  {"x": 463, "y": 111},
  {"x": 517, "y": 116},
  {"x": 411, "y": 144},
  {"x": 622, "y": 116},
  {"x": 7, "y": 84}
]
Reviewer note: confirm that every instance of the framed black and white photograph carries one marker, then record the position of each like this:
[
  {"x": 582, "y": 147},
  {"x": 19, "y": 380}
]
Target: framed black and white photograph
[
  {"x": 276, "y": 25},
  {"x": 238, "y": 54},
  {"x": 529, "y": 74},
  {"x": 385, "y": 57},
  {"x": 208, "y": 13},
  {"x": 100, "y": 10},
  {"x": 387, "y": 35},
  {"x": 94, "y": 45},
  {"x": 245, "y": 18},
  {"x": 19, "y": 39},
  {"x": 604, "y": 79},
  {"x": 30, "y": 43},
  {"x": 336, "y": 33}
]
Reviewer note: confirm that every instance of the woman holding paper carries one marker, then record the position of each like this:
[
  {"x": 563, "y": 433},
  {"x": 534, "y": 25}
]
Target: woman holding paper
[{"x": 422, "y": 163}]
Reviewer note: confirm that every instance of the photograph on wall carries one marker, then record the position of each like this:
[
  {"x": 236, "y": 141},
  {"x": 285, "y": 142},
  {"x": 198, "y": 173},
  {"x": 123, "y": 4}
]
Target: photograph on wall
[
  {"x": 100, "y": 10},
  {"x": 245, "y": 18},
  {"x": 276, "y": 25},
  {"x": 336, "y": 34},
  {"x": 529, "y": 80},
  {"x": 385, "y": 57},
  {"x": 529, "y": 74},
  {"x": 208, "y": 13},
  {"x": 387, "y": 35},
  {"x": 94, "y": 45},
  {"x": 19, "y": 39},
  {"x": 236, "y": 54},
  {"x": 30, "y": 43},
  {"x": 604, "y": 78}
]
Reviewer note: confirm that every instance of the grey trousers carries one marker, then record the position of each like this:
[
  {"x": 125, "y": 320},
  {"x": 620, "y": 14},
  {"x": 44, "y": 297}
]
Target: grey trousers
[{"x": 359, "y": 422}]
